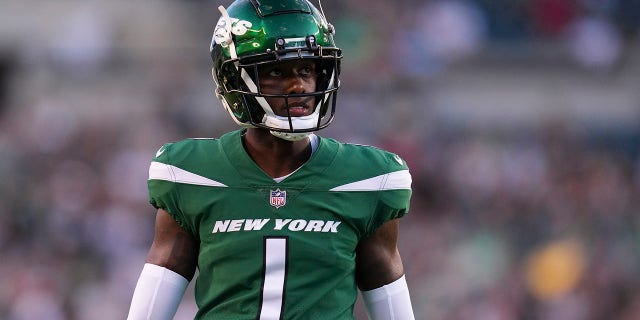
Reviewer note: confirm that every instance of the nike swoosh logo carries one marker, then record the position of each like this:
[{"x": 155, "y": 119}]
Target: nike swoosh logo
[
  {"x": 160, "y": 151},
  {"x": 398, "y": 160}
]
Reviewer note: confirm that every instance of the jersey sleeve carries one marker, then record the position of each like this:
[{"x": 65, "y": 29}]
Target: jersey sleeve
[
  {"x": 163, "y": 191},
  {"x": 395, "y": 192}
]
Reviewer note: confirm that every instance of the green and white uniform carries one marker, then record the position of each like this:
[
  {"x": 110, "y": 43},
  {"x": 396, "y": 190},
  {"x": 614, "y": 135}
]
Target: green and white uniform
[{"x": 273, "y": 250}]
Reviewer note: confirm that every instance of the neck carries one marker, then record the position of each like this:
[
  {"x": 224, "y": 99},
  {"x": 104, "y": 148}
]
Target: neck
[{"x": 276, "y": 157}]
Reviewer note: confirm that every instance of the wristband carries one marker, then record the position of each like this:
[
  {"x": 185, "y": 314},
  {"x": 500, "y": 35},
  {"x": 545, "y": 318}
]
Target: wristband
[
  {"x": 157, "y": 295},
  {"x": 389, "y": 302}
]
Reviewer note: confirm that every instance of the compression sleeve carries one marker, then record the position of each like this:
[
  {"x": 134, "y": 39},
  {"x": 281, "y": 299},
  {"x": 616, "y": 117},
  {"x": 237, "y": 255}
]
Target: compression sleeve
[
  {"x": 389, "y": 302},
  {"x": 157, "y": 294}
]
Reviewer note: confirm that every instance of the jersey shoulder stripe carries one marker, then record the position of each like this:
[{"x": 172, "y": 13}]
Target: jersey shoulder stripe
[
  {"x": 391, "y": 181},
  {"x": 163, "y": 171}
]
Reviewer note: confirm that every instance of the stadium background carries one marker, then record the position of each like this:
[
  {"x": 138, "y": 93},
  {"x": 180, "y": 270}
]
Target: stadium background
[{"x": 519, "y": 118}]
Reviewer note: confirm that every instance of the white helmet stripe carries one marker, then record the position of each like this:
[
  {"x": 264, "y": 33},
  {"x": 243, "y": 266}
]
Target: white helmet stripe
[{"x": 253, "y": 88}]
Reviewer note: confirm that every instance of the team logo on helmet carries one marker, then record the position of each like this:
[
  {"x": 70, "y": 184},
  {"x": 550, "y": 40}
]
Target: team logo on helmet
[
  {"x": 278, "y": 198},
  {"x": 221, "y": 34}
]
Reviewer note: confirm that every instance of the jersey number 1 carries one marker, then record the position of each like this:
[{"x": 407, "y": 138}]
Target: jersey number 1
[{"x": 274, "y": 278}]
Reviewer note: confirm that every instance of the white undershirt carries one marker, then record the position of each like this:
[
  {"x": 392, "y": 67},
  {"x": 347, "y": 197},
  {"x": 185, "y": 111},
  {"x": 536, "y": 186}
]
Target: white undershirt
[{"x": 313, "y": 139}]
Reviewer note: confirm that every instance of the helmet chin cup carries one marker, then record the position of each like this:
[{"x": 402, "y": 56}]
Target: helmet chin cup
[
  {"x": 307, "y": 123},
  {"x": 290, "y": 136}
]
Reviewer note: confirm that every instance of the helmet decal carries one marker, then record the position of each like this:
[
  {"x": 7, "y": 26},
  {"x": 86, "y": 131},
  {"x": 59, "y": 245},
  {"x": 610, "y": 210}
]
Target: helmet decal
[{"x": 222, "y": 34}]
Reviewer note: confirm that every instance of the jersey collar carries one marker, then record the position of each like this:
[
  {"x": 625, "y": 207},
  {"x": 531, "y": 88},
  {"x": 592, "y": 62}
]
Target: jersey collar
[{"x": 238, "y": 157}]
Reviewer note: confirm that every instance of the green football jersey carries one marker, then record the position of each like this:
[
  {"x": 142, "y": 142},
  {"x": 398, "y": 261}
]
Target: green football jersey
[{"x": 272, "y": 250}]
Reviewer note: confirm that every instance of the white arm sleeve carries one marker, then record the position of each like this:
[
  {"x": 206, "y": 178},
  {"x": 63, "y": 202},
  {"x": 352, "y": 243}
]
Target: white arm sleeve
[
  {"x": 157, "y": 295},
  {"x": 389, "y": 302}
]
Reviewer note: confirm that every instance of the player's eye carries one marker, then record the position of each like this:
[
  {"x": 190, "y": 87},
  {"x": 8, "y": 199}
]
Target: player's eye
[
  {"x": 306, "y": 70},
  {"x": 275, "y": 73}
]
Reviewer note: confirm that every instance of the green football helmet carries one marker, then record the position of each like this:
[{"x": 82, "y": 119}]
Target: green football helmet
[{"x": 252, "y": 33}]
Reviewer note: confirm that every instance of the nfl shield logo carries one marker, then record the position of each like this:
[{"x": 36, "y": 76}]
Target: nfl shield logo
[{"x": 278, "y": 198}]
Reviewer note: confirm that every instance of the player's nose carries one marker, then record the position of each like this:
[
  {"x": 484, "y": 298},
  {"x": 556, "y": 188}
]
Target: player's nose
[{"x": 296, "y": 85}]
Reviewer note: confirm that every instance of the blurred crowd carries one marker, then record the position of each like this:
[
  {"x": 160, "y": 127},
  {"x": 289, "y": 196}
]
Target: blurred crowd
[{"x": 507, "y": 221}]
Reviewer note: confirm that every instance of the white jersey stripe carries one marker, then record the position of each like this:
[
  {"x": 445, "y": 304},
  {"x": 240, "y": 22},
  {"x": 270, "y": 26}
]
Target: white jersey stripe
[
  {"x": 162, "y": 171},
  {"x": 391, "y": 181},
  {"x": 275, "y": 269}
]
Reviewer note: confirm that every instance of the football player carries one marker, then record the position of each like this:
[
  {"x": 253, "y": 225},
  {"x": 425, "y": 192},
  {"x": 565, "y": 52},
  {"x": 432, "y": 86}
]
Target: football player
[{"x": 280, "y": 222}]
